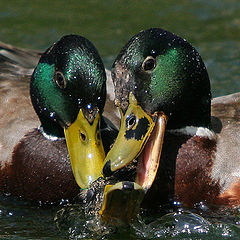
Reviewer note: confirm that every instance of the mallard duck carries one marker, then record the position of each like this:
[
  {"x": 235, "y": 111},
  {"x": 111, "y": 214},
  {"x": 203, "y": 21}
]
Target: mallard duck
[
  {"x": 184, "y": 152},
  {"x": 67, "y": 92},
  {"x": 35, "y": 164}
]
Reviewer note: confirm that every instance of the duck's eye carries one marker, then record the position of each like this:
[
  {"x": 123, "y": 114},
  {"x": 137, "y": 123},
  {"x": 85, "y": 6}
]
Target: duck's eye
[
  {"x": 60, "y": 80},
  {"x": 149, "y": 63},
  {"x": 130, "y": 121}
]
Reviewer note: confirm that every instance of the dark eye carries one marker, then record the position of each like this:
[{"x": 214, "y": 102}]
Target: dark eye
[
  {"x": 60, "y": 80},
  {"x": 130, "y": 122},
  {"x": 149, "y": 63}
]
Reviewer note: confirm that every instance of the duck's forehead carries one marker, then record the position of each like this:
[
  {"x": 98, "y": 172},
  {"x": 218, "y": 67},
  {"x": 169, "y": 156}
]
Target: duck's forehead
[
  {"x": 84, "y": 68},
  {"x": 87, "y": 77},
  {"x": 152, "y": 43},
  {"x": 75, "y": 55},
  {"x": 84, "y": 63}
]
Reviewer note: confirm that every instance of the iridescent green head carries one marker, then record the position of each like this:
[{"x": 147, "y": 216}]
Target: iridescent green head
[
  {"x": 70, "y": 75},
  {"x": 160, "y": 82},
  {"x": 165, "y": 73},
  {"x": 68, "y": 91}
]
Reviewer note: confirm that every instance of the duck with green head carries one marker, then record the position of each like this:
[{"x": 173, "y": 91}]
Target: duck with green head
[
  {"x": 163, "y": 92},
  {"x": 68, "y": 91},
  {"x": 68, "y": 94}
]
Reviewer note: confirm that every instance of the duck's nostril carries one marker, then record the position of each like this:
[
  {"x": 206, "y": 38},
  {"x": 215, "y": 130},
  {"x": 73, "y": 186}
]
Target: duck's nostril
[{"x": 83, "y": 137}]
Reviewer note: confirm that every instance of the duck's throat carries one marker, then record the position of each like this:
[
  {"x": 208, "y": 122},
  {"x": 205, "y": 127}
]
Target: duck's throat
[{"x": 51, "y": 128}]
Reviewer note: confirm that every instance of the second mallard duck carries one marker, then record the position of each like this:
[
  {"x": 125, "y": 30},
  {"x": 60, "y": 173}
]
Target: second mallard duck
[
  {"x": 68, "y": 91},
  {"x": 161, "y": 82}
]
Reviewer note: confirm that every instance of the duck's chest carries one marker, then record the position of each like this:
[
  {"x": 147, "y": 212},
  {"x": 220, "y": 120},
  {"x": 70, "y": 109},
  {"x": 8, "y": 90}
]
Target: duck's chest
[
  {"x": 40, "y": 170},
  {"x": 185, "y": 170},
  {"x": 193, "y": 176}
]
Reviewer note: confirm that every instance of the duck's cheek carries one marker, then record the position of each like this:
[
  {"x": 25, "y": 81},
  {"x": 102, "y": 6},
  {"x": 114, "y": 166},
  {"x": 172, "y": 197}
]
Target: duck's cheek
[{"x": 85, "y": 149}]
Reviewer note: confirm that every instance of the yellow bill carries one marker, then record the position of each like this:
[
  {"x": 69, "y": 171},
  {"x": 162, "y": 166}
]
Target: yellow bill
[
  {"x": 121, "y": 202},
  {"x": 135, "y": 130},
  {"x": 85, "y": 149},
  {"x": 140, "y": 134}
]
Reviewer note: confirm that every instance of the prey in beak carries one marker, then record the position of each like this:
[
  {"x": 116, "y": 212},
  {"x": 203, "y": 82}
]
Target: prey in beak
[{"x": 140, "y": 136}]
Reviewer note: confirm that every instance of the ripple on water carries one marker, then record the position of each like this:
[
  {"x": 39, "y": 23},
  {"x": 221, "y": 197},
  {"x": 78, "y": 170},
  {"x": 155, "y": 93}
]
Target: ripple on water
[
  {"x": 22, "y": 220},
  {"x": 180, "y": 224},
  {"x": 186, "y": 225}
]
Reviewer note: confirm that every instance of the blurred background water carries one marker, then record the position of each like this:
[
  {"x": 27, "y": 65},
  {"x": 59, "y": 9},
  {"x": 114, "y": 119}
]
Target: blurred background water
[{"x": 213, "y": 27}]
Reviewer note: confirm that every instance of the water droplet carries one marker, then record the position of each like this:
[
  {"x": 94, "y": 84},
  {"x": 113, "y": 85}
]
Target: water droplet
[
  {"x": 79, "y": 101},
  {"x": 153, "y": 52},
  {"x": 177, "y": 203},
  {"x": 52, "y": 115},
  {"x": 89, "y": 106}
]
